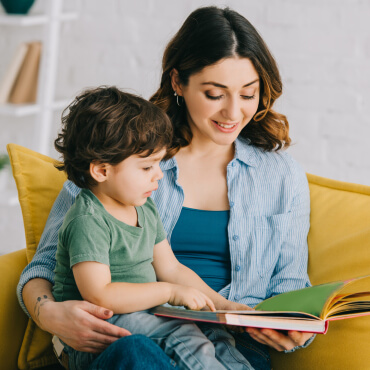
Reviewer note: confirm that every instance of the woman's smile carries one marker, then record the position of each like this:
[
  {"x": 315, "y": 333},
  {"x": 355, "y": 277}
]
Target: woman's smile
[{"x": 225, "y": 127}]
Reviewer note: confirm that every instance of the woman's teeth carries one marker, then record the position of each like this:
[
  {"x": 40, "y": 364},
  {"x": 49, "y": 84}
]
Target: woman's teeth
[{"x": 224, "y": 125}]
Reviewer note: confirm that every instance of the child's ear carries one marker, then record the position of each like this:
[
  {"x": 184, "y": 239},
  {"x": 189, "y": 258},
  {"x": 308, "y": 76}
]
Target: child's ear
[{"x": 98, "y": 171}]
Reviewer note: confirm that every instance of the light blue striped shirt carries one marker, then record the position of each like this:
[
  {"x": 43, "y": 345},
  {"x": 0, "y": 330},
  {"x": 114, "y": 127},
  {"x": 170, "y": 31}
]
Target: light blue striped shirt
[{"x": 269, "y": 221}]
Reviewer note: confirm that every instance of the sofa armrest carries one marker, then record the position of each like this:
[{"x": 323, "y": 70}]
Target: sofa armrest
[{"x": 13, "y": 320}]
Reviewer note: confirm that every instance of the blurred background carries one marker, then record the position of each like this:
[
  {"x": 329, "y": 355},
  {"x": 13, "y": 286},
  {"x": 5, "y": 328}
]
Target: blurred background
[{"x": 321, "y": 46}]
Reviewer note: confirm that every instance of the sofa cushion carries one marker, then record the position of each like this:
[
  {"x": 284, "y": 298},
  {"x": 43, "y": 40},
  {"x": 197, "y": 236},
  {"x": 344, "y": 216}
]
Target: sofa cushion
[
  {"x": 339, "y": 248},
  {"x": 38, "y": 183}
]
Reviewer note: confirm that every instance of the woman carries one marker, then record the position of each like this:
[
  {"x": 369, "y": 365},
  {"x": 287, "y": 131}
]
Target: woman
[{"x": 234, "y": 206}]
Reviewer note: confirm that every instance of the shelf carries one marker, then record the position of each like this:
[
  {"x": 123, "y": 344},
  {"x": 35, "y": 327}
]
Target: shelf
[
  {"x": 23, "y": 110},
  {"x": 32, "y": 20},
  {"x": 19, "y": 110}
]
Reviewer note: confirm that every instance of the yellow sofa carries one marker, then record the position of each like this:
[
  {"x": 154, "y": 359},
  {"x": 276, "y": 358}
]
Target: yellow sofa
[{"x": 339, "y": 248}]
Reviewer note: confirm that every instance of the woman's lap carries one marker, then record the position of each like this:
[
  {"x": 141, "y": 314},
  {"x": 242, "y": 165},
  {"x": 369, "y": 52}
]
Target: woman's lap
[
  {"x": 135, "y": 352},
  {"x": 256, "y": 353}
]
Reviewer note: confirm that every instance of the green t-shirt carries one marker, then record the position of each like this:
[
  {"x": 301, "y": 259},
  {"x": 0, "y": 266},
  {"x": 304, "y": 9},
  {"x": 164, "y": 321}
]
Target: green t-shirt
[{"x": 90, "y": 233}]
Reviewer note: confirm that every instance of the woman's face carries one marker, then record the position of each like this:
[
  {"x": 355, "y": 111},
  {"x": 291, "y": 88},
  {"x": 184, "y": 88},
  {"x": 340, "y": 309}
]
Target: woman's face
[{"x": 221, "y": 99}]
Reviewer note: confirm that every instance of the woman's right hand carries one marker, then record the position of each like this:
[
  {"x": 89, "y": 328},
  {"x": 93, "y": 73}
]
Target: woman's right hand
[
  {"x": 80, "y": 324},
  {"x": 189, "y": 297}
]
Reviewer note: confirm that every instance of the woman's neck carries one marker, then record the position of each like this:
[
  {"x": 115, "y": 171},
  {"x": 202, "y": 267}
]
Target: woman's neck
[{"x": 210, "y": 150}]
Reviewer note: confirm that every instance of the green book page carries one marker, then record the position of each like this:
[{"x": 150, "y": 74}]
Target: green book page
[{"x": 309, "y": 300}]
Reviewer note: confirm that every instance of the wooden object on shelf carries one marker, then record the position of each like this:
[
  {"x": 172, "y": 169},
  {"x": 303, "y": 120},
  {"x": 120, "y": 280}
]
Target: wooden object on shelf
[
  {"x": 12, "y": 72},
  {"x": 46, "y": 104},
  {"x": 25, "y": 86}
]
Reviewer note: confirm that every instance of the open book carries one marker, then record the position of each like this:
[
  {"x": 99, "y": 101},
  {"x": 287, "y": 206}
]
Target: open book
[{"x": 308, "y": 309}]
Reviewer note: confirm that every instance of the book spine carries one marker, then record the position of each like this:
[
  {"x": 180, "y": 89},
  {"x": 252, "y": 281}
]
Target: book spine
[
  {"x": 25, "y": 87},
  {"x": 12, "y": 72}
]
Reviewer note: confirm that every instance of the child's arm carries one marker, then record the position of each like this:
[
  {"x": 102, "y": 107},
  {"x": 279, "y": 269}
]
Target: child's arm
[
  {"x": 169, "y": 269},
  {"x": 93, "y": 280}
]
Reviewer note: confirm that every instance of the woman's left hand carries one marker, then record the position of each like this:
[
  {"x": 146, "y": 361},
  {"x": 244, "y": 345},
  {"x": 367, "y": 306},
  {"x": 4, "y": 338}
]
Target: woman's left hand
[{"x": 279, "y": 340}]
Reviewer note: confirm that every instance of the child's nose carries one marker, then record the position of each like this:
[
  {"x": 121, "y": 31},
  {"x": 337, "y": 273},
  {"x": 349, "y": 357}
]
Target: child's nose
[{"x": 158, "y": 174}]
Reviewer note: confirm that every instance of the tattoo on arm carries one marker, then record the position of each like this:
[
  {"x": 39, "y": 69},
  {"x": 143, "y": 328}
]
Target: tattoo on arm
[{"x": 39, "y": 303}]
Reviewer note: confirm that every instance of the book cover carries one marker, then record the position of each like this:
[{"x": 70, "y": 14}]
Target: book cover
[
  {"x": 25, "y": 86},
  {"x": 12, "y": 72},
  {"x": 309, "y": 309}
]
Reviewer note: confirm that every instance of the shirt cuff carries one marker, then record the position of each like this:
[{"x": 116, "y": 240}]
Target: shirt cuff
[
  {"x": 308, "y": 342},
  {"x": 40, "y": 273}
]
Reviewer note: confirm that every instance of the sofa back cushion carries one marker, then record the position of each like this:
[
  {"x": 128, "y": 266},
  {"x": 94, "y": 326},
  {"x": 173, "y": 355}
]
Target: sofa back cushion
[
  {"x": 339, "y": 248},
  {"x": 38, "y": 183}
]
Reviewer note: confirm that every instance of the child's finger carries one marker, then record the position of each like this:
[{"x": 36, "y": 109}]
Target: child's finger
[{"x": 210, "y": 303}]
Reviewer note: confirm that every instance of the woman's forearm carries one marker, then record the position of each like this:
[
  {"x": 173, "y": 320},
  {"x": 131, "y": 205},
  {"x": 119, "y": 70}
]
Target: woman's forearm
[{"x": 36, "y": 293}]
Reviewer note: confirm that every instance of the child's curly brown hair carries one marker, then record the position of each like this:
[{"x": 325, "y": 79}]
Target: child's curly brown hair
[{"x": 107, "y": 125}]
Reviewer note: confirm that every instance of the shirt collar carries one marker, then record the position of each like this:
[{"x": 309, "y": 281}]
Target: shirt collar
[
  {"x": 168, "y": 164},
  {"x": 244, "y": 152}
]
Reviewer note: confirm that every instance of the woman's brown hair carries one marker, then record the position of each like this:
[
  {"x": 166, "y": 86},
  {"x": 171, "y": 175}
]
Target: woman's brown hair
[{"x": 208, "y": 35}]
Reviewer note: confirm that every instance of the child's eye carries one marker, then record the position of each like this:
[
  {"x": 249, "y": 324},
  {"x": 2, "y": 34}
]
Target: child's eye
[{"x": 147, "y": 168}]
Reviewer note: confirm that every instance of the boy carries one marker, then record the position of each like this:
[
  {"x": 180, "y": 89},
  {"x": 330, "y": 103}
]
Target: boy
[{"x": 112, "y": 248}]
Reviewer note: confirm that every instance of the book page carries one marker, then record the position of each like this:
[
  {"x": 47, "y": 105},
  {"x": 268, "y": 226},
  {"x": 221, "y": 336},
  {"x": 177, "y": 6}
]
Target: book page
[{"x": 310, "y": 300}]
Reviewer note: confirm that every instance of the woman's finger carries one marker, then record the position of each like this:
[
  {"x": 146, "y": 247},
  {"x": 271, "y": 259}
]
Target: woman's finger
[
  {"x": 272, "y": 338},
  {"x": 108, "y": 329}
]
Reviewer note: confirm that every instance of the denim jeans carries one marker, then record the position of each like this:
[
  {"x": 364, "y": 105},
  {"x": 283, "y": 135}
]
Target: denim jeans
[
  {"x": 256, "y": 353},
  {"x": 185, "y": 342},
  {"x": 182, "y": 341},
  {"x": 134, "y": 352}
]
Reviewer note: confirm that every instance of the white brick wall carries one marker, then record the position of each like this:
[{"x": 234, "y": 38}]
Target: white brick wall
[{"x": 321, "y": 46}]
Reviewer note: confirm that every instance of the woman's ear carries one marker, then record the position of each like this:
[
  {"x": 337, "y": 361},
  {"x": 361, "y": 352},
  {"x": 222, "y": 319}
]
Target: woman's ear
[
  {"x": 175, "y": 82},
  {"x": 98, "y": 171}
]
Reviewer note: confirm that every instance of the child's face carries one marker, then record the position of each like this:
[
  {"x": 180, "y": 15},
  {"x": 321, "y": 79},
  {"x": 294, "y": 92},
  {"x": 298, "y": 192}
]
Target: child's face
[{"x": 133, "y": 180}]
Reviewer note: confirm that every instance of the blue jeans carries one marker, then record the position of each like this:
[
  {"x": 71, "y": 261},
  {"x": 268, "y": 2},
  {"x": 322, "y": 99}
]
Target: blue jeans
[
  {"x": 256, "y": 353},
  {"x": 181, "y": 340},
  {"x": 191, "y": 347},
  {"x": 134, "y": 352}
]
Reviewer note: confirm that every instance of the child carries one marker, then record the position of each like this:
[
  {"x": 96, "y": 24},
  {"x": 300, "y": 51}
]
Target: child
[{"x": 112, "y": 248}]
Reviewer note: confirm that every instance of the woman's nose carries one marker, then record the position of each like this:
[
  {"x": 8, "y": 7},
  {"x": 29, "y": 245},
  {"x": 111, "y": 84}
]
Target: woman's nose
[{"x": 232, "y": 109}]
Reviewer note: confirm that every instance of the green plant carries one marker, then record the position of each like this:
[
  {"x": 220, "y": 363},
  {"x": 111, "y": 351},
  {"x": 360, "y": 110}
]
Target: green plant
[{"x": 4, "y": 161}]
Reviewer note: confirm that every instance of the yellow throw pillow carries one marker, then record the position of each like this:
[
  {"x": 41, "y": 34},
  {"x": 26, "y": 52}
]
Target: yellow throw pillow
[
  {"x": 38, "y": 183},
  {"x": 339, "y": 248}
]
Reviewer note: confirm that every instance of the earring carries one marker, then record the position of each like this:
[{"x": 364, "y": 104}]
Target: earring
[{"x": 177, "y": 99}]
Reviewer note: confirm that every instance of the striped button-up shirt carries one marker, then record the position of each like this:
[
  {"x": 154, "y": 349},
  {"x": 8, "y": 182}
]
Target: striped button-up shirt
[{"x": 269, "y": 221}]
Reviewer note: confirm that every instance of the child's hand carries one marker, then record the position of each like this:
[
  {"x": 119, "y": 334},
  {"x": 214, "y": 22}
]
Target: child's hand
[{"x": 189, "y": 297}]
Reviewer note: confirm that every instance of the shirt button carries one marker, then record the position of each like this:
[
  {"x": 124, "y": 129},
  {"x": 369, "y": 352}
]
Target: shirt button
[
  {"x": 237, "y": 268},
  {"x": 237, "y": 296},
  {"x": 235, "y": 237},
  {"x": 232, "y": 204}
]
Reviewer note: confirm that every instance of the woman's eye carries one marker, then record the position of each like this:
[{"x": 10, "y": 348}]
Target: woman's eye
[
  {"x": 213, "y": 97},
  {"x": 248, "y": 97},
  {"x": 218, "y": 97},
  {"x": 147, "y": 168}
]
